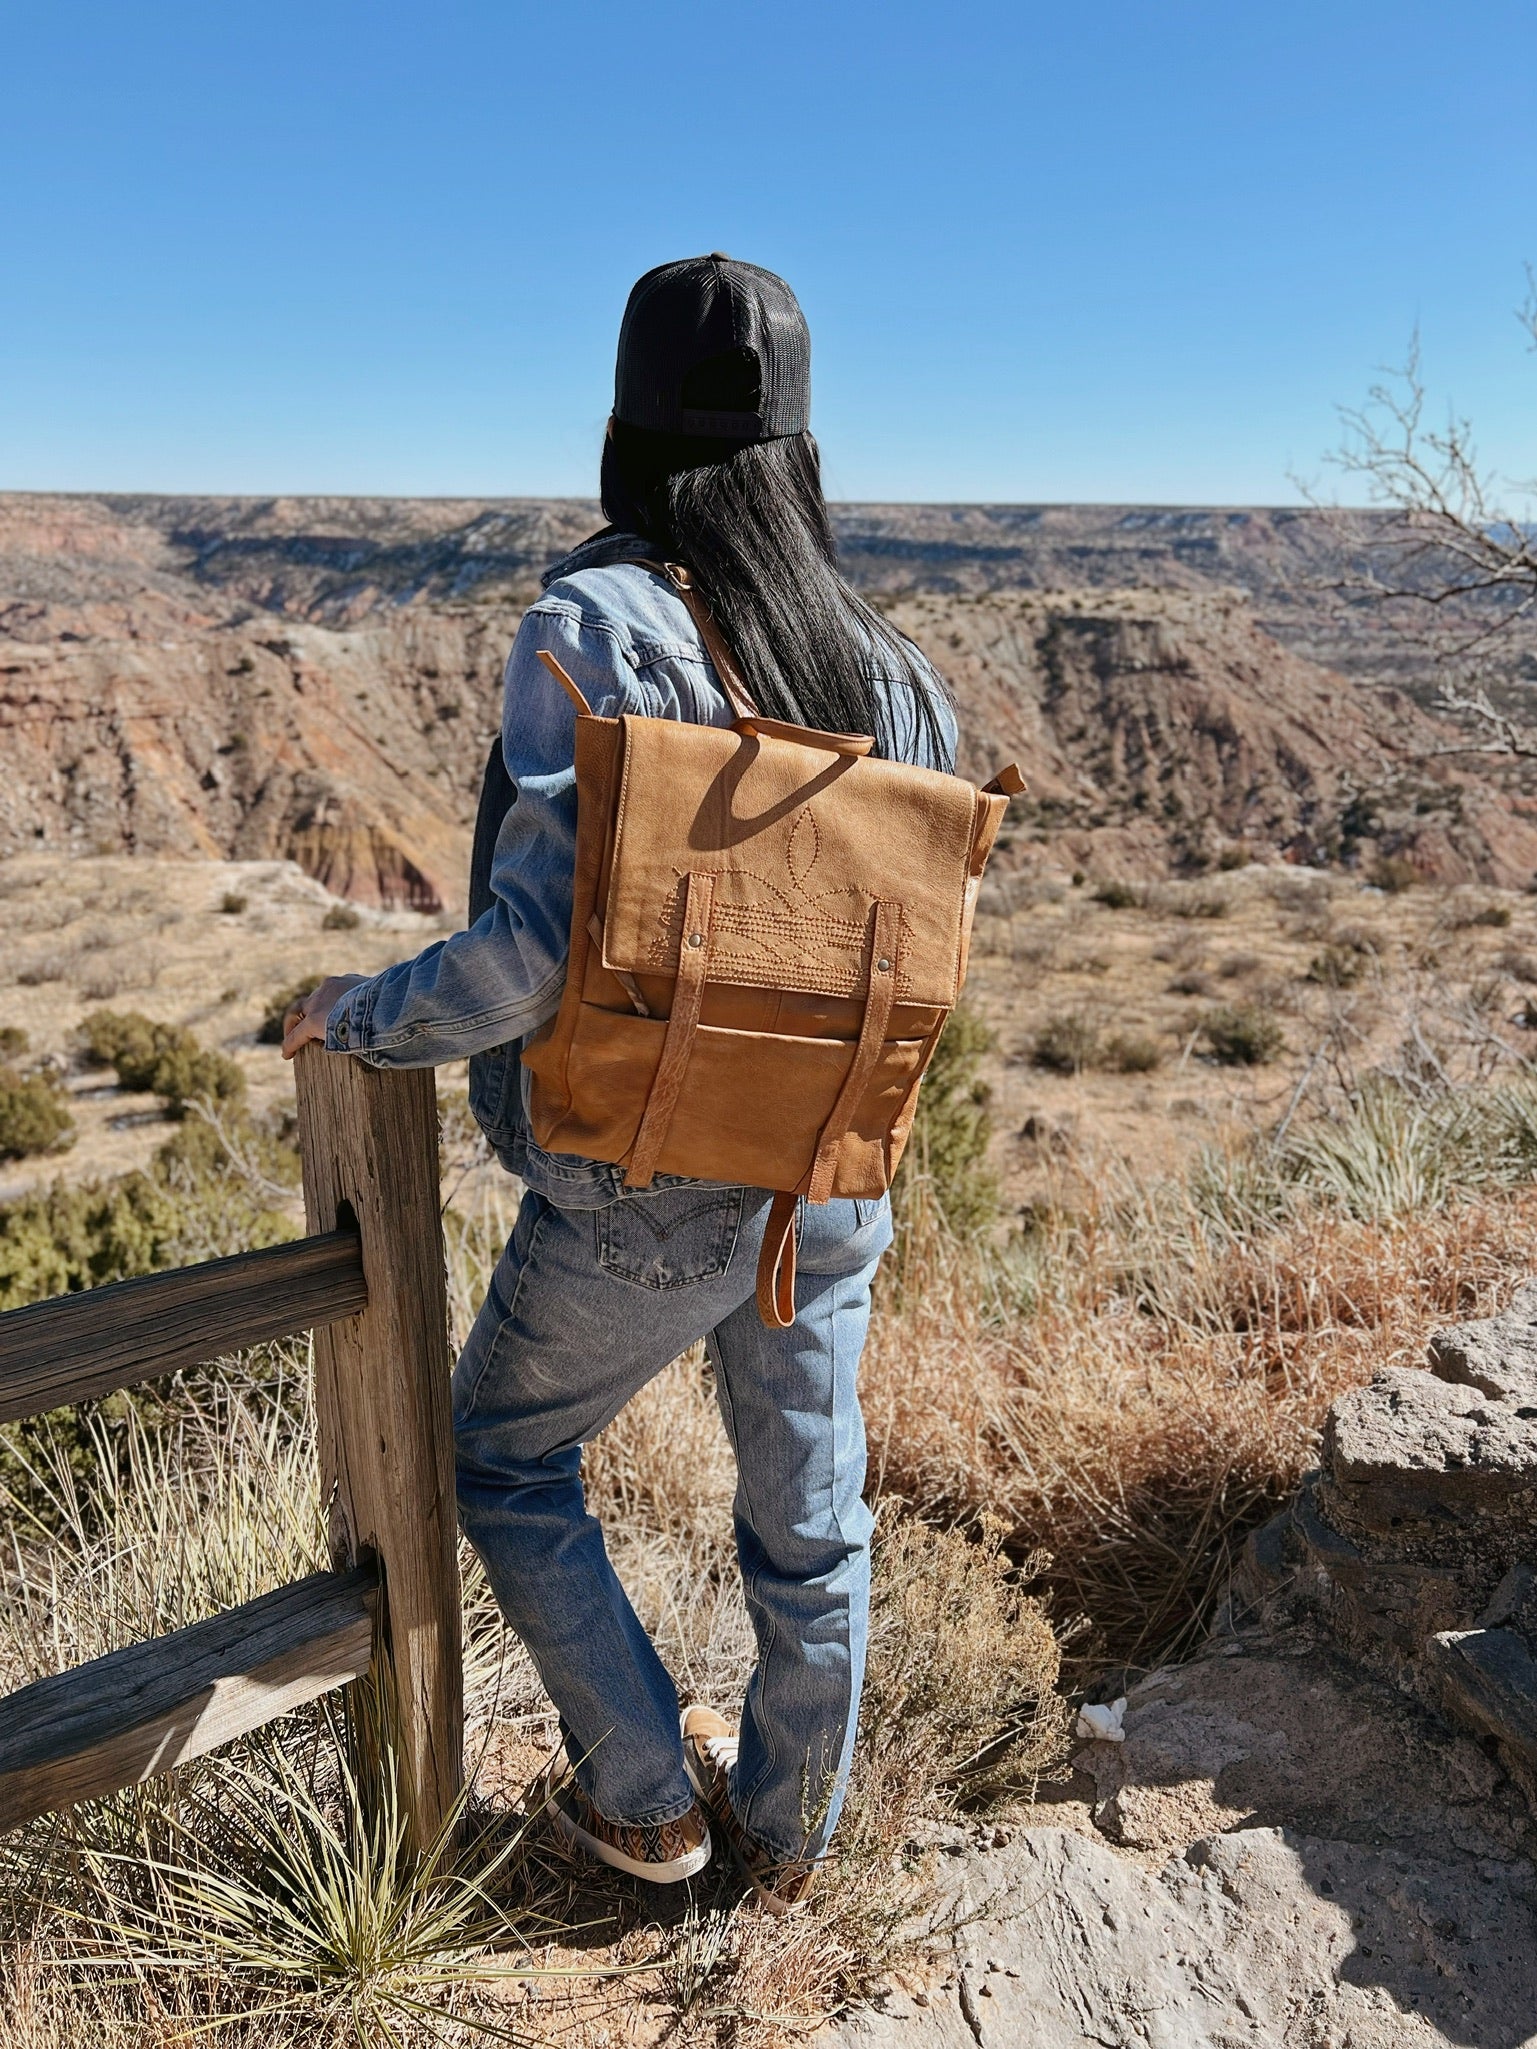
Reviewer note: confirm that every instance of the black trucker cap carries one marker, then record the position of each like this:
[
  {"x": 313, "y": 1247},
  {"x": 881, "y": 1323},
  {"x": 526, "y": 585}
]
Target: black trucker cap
[{"x": 710, "y": 346}]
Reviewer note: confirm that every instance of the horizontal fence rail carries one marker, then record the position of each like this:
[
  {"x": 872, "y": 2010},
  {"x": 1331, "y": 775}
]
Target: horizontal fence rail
[
  {"x": 76, "y": 1348},
  {"x": 136, "y": 1712},
  {"x": 370, "y": 1282}
]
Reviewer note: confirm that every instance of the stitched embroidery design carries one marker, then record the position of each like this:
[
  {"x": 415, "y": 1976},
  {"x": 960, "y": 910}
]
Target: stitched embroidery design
[{"x": 777, "y": 931}]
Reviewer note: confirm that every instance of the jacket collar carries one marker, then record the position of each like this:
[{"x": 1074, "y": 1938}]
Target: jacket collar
[{"x": 601, "y": 551}]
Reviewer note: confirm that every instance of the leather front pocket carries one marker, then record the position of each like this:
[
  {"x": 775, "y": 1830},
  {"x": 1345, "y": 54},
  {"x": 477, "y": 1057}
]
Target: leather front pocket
[{"x": 670, "y": 1237}]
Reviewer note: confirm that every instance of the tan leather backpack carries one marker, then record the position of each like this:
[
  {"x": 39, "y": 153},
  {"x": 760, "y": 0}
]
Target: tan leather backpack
[{"x": 770, "y": 929}]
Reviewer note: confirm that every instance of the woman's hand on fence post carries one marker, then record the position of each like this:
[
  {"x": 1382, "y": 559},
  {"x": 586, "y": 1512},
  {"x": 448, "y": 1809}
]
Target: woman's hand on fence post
[{"x": 307, "y": 1019}]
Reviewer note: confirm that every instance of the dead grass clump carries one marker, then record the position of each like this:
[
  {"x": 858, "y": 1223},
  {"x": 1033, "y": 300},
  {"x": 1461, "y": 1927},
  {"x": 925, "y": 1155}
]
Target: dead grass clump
[
  {"x": 1201, "y": 907},
  {"x": 1166, "y": 1392},
  {"x": 55, "y": 965},
  {"x": 1066, "y": 1044},
  {"x": 1242, "y": 1035},
  {"x": 1298, "y": 894},
  {"x": 1234, "y": 966},
  {"x": 1119, "y": 896},
  {"x": 1131, "y": 1053},
  {"x": 964, "y": 1661},
  {"x": 1184, "y": 950}
]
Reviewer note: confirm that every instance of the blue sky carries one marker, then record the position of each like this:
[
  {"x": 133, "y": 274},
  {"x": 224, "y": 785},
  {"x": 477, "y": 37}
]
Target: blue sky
[{"x": 1120, "y": 252}]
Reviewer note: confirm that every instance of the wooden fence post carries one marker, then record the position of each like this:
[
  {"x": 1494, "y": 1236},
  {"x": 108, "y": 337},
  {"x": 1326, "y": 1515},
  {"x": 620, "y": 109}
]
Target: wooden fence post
[{"x": 369, "y": 1142}]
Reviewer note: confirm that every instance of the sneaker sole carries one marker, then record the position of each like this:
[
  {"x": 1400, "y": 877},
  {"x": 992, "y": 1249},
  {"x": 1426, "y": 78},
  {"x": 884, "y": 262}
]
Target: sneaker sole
[{"x": 671, "y": 1873}]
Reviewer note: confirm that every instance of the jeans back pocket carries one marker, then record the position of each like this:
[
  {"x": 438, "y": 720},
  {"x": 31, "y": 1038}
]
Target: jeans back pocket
[{"x": 670, "y": 1237}]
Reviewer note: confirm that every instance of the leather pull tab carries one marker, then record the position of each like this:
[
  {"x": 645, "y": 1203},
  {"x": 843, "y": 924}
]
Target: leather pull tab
[
  {"x": 572, "y": 689},
  {"x": 776, "y": 1265},
  {"x": 1008, "y": 782}
]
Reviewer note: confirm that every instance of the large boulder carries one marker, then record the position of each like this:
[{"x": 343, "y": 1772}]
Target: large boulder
[{"x": 1416, "y": 1542}]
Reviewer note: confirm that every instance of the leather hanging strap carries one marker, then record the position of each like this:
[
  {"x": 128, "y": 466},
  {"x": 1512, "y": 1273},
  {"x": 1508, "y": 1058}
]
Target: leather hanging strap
[
  {"x": 776, "y": 1265},
  {"x": 880, "y": 992},
  {"x": 683, "y": 1022},
  {"x": 749, "y": 719},
  {"x": 776, "y": 1261},
  {"x": 721, "y": 657}
]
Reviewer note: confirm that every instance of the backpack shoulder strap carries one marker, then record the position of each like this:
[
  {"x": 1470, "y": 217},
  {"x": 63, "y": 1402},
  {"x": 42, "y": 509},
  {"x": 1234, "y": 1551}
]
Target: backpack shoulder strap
[{"x": 737, "y": 692}]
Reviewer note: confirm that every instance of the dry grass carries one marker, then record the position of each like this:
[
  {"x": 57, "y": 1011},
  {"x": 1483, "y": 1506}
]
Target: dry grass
[
  {"x": 1081, "y": 1424},
  {"x": 1166, "y": 1388},
  {"x": 248, "y": 1897}
]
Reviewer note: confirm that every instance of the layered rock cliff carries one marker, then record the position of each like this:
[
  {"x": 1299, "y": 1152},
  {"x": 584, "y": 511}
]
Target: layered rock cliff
[{"x": 320, "y": 679}]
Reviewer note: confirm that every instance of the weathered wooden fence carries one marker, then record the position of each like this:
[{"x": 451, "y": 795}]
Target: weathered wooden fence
[{"x": 370, "y": 1282}]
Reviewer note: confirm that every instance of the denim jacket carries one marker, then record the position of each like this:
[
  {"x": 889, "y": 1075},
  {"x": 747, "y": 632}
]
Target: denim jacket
[{"x": 625, "y": 636}]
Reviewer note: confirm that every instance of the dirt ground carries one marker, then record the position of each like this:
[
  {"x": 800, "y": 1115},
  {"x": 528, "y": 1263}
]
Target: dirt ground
[
  {"x": 166, "y": 938},
  {"x": 1349, "y": 976}
]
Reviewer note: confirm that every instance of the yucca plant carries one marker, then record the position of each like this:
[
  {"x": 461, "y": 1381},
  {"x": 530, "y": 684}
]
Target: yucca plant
[{"x": 279, "y": 1898}]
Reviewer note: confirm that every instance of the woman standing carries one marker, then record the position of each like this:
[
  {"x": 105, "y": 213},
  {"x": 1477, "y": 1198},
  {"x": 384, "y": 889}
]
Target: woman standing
[{"x": 709, "y": 461}]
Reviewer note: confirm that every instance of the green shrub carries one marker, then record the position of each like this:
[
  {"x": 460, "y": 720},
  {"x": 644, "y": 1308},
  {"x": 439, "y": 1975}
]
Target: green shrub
[
  {"x": 270, "y": 1031},
  {"x": 1337, "y": 967},
  {"x": 65, "y": 1239},
  {"x": 193, "y": 1202},
  {"x": 341, "y": 918},
  {"x": 1131, "y": 1053},
  {"x": 34, "y": 1117},
  {"x": 232, "y": 903},
  {"x": 1066, "y": 1045},
  {"x": 1494, "y": 917},
  {"x": 1393, "y": 874},
  {"x": 952, "y": 1131},
  {"x": 1117, "y": 896},
  {"x": 1242, "y": 1035},
  {"x": 160, "y": 1059},
  {"x": 13, "y": 1042}
]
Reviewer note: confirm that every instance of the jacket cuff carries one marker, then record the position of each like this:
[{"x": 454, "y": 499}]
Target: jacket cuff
[{"x": 347, "y": 1027}]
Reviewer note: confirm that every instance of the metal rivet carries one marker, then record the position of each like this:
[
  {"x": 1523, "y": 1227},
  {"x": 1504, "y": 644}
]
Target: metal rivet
[
  {"x": 696, "y": 939},
  {"x": 883, "y": 966}
]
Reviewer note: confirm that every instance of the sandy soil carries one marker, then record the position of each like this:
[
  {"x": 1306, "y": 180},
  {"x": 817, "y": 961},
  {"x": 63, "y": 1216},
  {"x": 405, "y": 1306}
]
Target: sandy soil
[
  {"x": 153, "y": 936},
  {"x": 1429, "y": 974}
]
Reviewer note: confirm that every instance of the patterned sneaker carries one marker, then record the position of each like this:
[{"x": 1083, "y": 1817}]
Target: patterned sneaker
[
  {"x": 709, "y": 1752},
  {"x": 663, "y": 1851}
]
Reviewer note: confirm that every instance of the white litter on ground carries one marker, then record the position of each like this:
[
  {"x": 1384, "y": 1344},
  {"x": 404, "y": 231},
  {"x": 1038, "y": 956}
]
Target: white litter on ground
[{"x": 1103, "y": 1724}]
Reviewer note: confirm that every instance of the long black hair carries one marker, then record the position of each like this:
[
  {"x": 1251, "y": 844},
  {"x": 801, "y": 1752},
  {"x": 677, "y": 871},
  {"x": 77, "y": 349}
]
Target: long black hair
[{"x": 750, "y": 522}]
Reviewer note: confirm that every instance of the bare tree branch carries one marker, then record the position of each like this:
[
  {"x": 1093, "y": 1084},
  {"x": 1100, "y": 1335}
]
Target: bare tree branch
[{"x": 1443, "y": 542}]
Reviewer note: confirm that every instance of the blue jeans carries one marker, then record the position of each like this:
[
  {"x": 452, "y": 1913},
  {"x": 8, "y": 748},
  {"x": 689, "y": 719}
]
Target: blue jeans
[{"x": 586, "y": 1306}]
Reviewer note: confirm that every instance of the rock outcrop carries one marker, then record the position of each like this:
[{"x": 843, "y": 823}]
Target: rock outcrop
[
  {"x": 1415, "y": 1545},
  {"x": 1313, "y": 1835},
  {"x": 1163, "y": 729},
  {"x": 1255, "y": 1940}
]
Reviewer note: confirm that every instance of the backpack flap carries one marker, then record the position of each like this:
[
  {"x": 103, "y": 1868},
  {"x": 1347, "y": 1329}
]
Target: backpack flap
[{"x": 802, "y": 844}]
